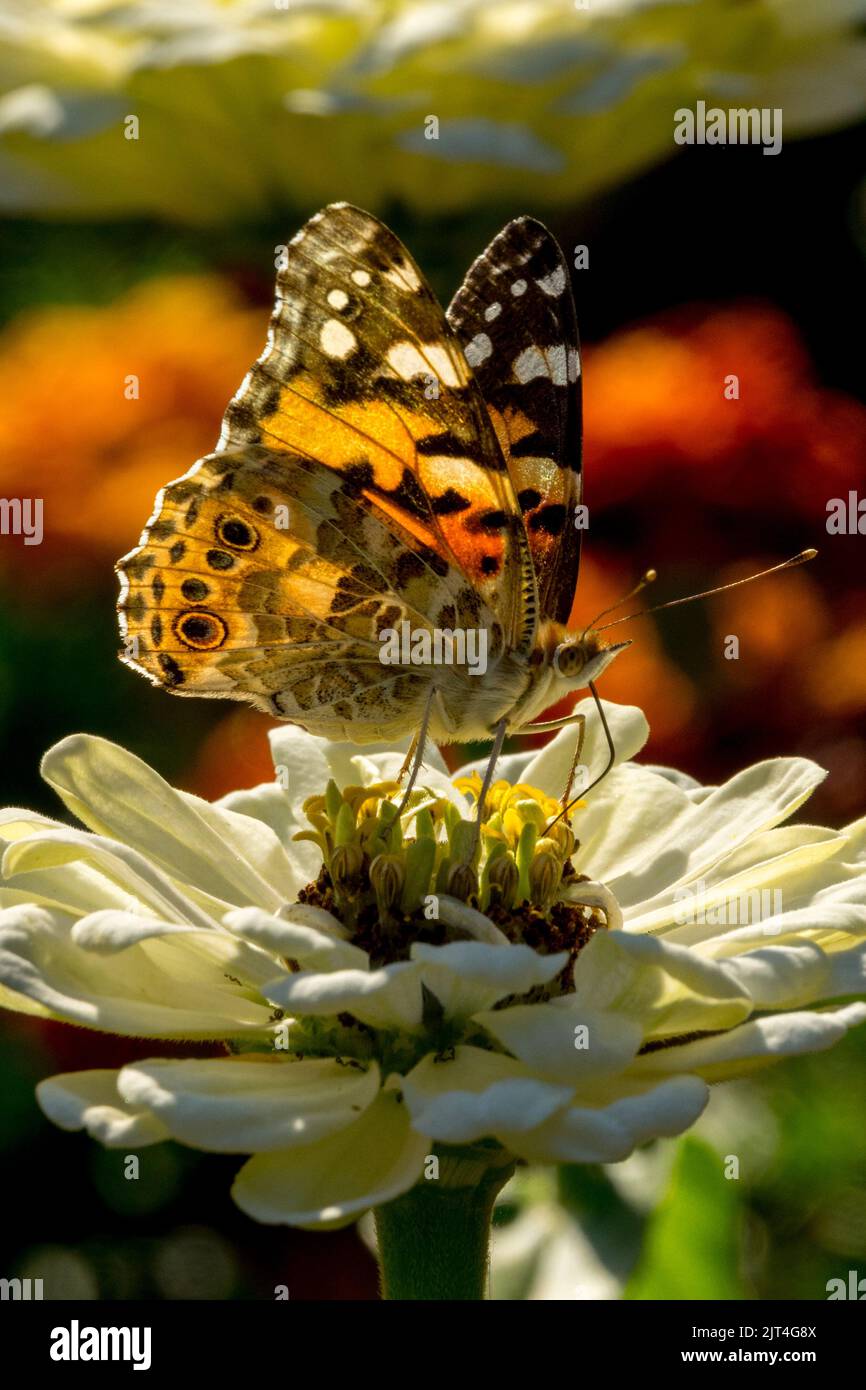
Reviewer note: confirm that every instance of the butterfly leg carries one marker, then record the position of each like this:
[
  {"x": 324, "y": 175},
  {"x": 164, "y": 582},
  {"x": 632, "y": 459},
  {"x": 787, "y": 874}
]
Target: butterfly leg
[
  {"x": 563, "y": 723},
  {"x": 416, "y": 752},
  {"x": 580, "y": 720},
  {"x": 611, "y": 759},
  {"x": 498, "y": 740},
  {"x": 407, "y": 761}
]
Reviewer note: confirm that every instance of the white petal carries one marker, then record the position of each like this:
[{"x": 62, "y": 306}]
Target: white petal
[
  {"x": 780, "y": 864},
  {"x": 305, "y": 758},
  {"x": 830, "y": 923},
  {"x": 271, "y": 804},
  {"x": 107, "y": 859},
  {"x": 331, "y": 1183},
  {"x": 667, "y": 989},
  {"x": 782, "y": 977},
  {"x": 511, "y": 767},
  {"x": 477, "y": 1095},
  {"x": 115, "y": 794},
  {"x": 646, "y": 835},
  {"x": 240, "y": 1105},
  {"x": 107, "y": 931},
  {"x": 550, "y": 1039},
  {"x": 385, "y": 998},
  {"x": 459, "y": 915},
  {"x": 468, "y": 976},
  {"x": 89, "y": 1100},
  {"x": 610, "y": 1133},
  {"x": 172, "y": 987},
  {"x": 295, "y": 940},
  {"x": 753, "y": 1044},
  {"x": 847, "y": 973},
  {"x": 18, "y": 824},
  {"x": 591, "y": 894}
]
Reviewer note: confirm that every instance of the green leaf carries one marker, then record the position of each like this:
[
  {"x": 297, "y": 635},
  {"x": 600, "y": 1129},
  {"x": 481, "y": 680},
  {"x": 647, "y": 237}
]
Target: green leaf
[{"x": 691, "y": 1249}]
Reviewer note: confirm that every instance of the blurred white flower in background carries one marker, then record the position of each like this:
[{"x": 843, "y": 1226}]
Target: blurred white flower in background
[{"x": 251, "y": 107}]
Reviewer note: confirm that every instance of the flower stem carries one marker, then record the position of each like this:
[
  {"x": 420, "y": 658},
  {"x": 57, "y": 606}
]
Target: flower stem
[{"x": 434, "y": 1241}]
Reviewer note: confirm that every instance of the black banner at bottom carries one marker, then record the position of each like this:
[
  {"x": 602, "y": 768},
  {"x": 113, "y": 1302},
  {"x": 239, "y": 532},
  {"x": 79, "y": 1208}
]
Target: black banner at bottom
[{"x": 60, "y": 1340}]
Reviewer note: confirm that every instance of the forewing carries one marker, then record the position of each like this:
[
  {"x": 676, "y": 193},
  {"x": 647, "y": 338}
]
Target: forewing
[{"x": 515, "y": 317}]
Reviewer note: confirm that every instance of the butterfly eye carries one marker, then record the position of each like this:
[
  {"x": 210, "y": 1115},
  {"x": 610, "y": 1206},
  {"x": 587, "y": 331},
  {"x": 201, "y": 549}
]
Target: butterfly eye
[
  {"x": 201, "y": 631},
  {"x": 237, "y": 533},
  {"x": 569, "y": 658}
]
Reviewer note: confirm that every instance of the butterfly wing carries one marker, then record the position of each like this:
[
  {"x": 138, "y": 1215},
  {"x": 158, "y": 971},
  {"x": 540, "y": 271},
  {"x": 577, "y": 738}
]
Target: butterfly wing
[
  {"x": 515, "y": 316},
  {"x": 362, "y": 427},
  {"x": 261, "y": 577}
]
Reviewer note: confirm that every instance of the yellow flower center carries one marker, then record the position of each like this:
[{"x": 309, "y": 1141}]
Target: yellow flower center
[{"x": 383, "y": 874}]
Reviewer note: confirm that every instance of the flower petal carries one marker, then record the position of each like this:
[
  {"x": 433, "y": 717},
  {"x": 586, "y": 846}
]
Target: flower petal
[
  {"x": 642, "y": 835},
  {"x": 468, "y": 976},
  {"x": 667, "y": 989},
  {"x": 289, "y": 935},
  {"x": 228, "y": 856},
  {"x": 608, "y": 1134},
  {"x": 245, "y": 1105},
  {"x": 121, "y": 865},
  {"x": 385, "y": 998},
  {"x": 780, "y": 864},
  {"x": 459, "y": 915},
  {"x": 330, "y": 1183},
  {"x": 477, "y": 1095},
  {"x": 753, "y": 1044},
  {"x": 179, "y": 986},
  {"x": 782, "y": 977},
  {"x": 89, "y": 1100},
  {"x": 564, "y": 1043}
]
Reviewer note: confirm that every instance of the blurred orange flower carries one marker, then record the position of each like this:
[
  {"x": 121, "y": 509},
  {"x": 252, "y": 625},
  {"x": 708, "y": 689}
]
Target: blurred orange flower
[
  {"x": 103, "y": 405},
  {"x": 659, "y": 420}
]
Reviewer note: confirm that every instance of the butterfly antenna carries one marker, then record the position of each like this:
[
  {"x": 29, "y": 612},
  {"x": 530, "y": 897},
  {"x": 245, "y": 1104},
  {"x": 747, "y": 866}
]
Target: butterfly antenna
[
  {"x": 795, "y": 560},
  {"x": 648, "y": 578},
  {"x": 611, "y": 759}
]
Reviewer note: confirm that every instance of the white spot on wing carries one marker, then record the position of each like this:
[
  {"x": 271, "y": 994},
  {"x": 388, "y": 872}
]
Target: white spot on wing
[
  {"x": 493, "y": 311},
  {"x": 518, "y": 288},
  {"x": 529, "y": 364},
  {"x": 549, "y": 361},
  {"x": 403, "y": 277},
  {"x": 554, "y": 283},
  {"x": 573, "y": 364},
  {"x": 336, "y": 339},
  {"x": 361, "y": 277},
  {"x": 408, "y": 361},
  {"x": 556, "y": 362},
  {"x": 338, "y": 299},
  {"x": 478, "y": 350}
]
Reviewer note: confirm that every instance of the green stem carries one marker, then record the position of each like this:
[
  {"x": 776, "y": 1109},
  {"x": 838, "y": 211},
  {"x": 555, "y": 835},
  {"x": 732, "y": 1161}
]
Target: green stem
[{"x": 434, "y": 1241}]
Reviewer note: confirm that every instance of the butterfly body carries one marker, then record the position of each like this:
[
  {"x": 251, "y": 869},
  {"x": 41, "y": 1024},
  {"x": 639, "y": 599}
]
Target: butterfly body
[{"x": 382, "y": 469}]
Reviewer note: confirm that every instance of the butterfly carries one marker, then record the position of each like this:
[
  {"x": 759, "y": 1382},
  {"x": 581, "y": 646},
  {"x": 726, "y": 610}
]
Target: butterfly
[{"x": 385, "y": 468}]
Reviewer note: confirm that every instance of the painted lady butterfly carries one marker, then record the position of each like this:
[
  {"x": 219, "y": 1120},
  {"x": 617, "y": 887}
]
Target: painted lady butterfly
[{"x": 383, "y": 464}]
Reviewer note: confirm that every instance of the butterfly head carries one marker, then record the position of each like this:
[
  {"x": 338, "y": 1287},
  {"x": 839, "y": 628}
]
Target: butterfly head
[{"x": 577, "y": 660}]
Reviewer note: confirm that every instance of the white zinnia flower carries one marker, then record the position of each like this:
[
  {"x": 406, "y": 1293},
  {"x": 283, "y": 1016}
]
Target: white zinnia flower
[{"x": 366, "y": 1041}]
